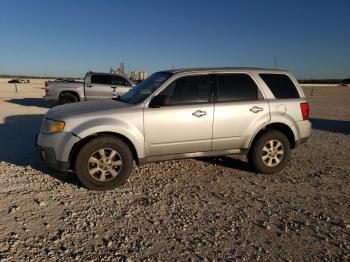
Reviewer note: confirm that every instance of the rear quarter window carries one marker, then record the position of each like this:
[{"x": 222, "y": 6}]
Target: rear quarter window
[{"x": 280, "y": 85}]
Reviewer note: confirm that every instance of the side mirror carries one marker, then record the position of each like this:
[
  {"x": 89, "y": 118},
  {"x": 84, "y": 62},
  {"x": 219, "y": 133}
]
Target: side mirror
[{"x": 158, "y": 101}]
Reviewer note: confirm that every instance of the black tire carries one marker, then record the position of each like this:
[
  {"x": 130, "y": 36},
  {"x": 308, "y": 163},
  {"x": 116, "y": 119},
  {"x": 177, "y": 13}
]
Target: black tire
[
  {"x": 67, "y": 98},
  {"x": 82, "y": 164},
  {"x": 258, "y": 151}
]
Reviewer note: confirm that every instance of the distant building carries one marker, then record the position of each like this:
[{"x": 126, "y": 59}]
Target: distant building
[
  {"x": 122, "y": 68},
  {"x": 134, "y": 75},
  {"x": 113, "y": 71},
  {"x": 142, "y": 75}
]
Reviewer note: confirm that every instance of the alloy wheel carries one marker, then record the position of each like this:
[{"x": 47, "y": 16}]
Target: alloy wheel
[
  {"x": 272, "y": 153},
  {"x": 105, "y": 164}
]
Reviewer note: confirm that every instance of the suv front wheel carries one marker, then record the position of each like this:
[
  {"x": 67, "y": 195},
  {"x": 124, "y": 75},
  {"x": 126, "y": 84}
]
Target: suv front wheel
[
  {"x": 270, "y": 153},
  {"x": 104, "y": 163}
]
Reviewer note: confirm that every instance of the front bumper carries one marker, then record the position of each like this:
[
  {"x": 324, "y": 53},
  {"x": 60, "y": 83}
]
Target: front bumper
[
  {"x": 48, "y": 156},
  {"x": 54, "y": 149}
]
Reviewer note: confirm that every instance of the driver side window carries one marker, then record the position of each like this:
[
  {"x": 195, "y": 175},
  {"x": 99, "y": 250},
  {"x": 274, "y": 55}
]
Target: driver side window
[{"x": 187, "y": 90}]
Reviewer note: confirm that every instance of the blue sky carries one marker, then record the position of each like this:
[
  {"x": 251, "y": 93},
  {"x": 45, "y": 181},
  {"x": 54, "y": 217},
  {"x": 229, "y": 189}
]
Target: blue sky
[{"x": 69, "y": 37}]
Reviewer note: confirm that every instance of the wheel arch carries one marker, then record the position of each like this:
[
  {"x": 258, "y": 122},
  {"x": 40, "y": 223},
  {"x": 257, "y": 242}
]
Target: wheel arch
[
  {"x": 76, "y": 147},
  {"x": 69, "y": 92},
  {"x": 283, "y": 128}
]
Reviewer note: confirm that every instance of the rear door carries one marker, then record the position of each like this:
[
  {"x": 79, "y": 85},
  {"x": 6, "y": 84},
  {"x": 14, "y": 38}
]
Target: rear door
[
  {"x": 239, "y": 108},
  {"x": 98, "y": 87}
]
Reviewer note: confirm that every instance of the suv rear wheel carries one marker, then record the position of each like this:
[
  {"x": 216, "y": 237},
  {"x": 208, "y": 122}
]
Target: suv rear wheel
[
  {"x": 270, "y": 153},
  {"x": 104, "y": 163}
]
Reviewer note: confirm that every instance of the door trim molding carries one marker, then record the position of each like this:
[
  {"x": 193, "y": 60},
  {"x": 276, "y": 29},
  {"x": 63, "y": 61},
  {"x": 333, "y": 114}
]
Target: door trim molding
[{"x": 189, "y": 155}]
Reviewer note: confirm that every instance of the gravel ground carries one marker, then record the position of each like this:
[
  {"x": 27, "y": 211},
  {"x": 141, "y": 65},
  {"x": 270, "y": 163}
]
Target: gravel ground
[{"x": 200, "y": 209}]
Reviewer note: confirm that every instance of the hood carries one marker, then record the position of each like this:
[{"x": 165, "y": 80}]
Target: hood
[{"x": 81, "y": 108}]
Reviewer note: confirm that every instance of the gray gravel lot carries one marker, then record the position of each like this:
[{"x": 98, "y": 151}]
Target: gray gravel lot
[{"x": 214, "y": 208}]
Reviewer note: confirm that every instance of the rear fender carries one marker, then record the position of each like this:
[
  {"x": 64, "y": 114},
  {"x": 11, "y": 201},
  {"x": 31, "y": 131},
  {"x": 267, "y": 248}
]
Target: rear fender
[{"x": 276, "y": 118}]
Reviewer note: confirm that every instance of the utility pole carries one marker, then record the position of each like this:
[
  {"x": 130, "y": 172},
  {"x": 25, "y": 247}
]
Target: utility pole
[{"x": 275, "y": 62}]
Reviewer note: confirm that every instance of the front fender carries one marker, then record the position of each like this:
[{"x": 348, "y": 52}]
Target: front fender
[{"x": 117, "y": 126}]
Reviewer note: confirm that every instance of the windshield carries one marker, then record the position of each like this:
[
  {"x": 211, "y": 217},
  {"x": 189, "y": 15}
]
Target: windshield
[{"x": 143, "y": 90}]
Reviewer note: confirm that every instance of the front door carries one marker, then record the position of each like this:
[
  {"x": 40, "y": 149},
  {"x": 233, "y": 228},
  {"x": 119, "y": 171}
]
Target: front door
[
  {"x": 239, "y": 107},
  {"x": 184, "y": 123}
]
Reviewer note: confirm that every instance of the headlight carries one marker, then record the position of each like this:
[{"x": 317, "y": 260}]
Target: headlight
[{"x": 52, "y": 126}]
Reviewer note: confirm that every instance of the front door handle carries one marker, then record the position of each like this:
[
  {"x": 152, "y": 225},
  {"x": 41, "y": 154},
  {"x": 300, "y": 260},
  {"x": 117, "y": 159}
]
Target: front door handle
[
  {"x": 199, "y": 113},
  {"x": 256, "y": 109}
]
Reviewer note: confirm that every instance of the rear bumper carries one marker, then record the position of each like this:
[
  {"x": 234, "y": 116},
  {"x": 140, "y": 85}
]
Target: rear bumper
[
  {"x": 305, "y": 128},
  {"x": 302, "y": 140}
]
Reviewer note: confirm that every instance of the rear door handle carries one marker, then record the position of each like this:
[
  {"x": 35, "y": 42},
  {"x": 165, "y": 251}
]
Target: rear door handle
[
  {"x": 88, "y": 85},
  {"x": 199, "y": 113},
  {"x": 256, "y": 109}
]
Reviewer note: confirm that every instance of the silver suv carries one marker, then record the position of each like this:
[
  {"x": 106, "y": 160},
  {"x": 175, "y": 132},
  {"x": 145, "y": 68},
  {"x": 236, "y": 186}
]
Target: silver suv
[{"x": 179, "y": 114}]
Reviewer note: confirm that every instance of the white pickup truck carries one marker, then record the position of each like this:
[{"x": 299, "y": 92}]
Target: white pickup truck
[{"x": 95, "y": 86}]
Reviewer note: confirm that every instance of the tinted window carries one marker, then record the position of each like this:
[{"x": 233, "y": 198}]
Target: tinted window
[
  {"x": 236, "y": 87},
  {"x": 101, "y": 79},
  {"x": 119, "y": 81},
  {"x": 280, "y": 85},
  {"x": 186, "y": 90}
]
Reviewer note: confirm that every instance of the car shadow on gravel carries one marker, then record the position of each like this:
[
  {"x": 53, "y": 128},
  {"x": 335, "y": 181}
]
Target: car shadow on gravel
[
  {"x": 39, "y": 102},
  {"x": 334, "y": 126},
  {"x": 17, "y": 145},
  {"x": 17, "y": 138},
  {"x": 228, "y": 162}
]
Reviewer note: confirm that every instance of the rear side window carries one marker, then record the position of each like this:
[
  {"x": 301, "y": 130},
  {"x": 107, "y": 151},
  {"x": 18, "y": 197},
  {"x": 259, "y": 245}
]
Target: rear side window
[
  {"x": 236, "y": 87},
  {"x": 101, "y": 79},
  {"x": 280, "y": 85}
]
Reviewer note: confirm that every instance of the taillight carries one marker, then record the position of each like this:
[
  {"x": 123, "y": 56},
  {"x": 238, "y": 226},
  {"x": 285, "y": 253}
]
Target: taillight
[{"x": 305, "y": 109}]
